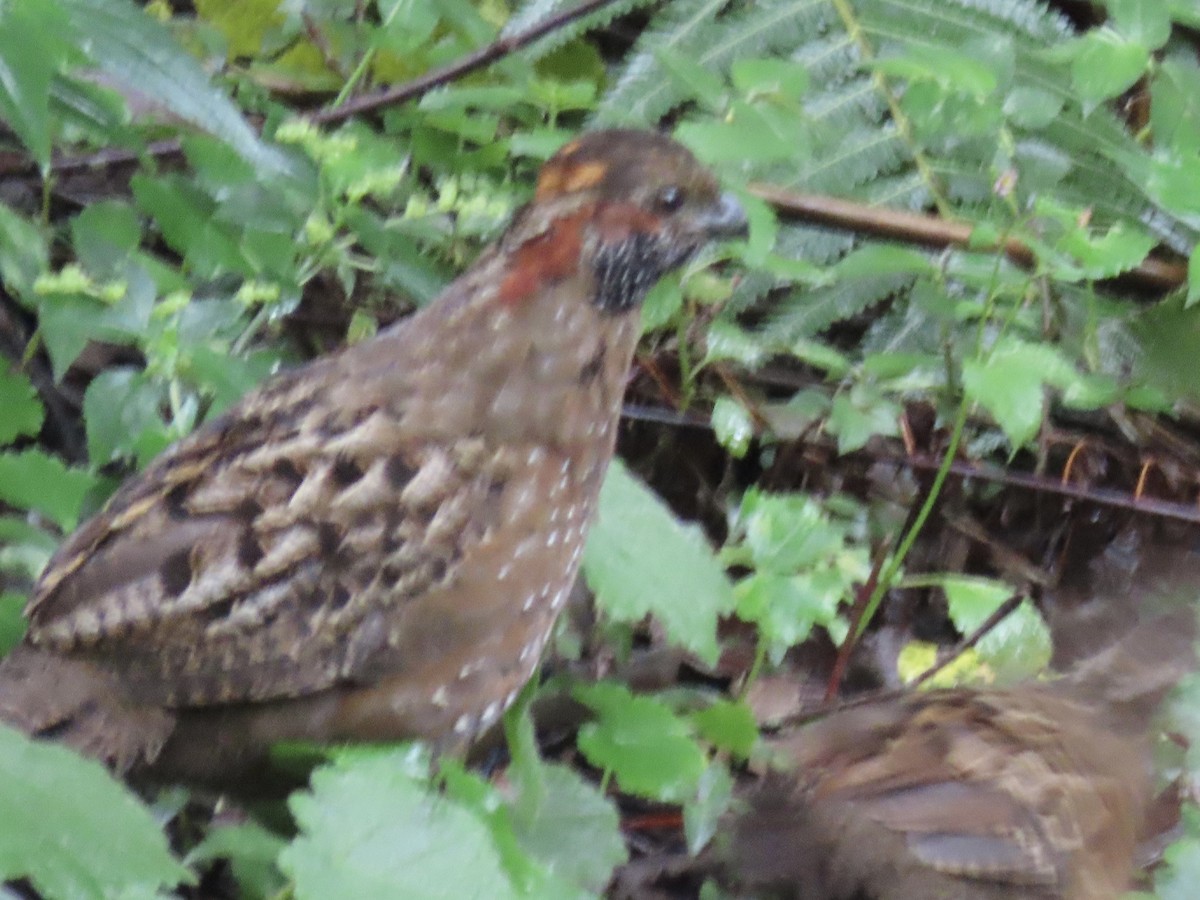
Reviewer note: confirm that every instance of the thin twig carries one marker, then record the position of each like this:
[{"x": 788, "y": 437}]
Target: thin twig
[
  {"x": 1166, "y": 509},
  {"x": 998, "y": 615}
]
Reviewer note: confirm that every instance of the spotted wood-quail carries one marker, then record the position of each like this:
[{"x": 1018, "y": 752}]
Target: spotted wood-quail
[
  {"x": 375, "y": 545},
  {"x": 1035, "y": 792}
]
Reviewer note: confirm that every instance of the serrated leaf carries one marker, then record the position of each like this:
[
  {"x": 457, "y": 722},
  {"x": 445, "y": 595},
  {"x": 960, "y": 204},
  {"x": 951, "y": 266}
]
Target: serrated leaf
[
  {"x": 73, "y": 830},
  {"x": 370, "y": 830},
  {"x": 573, "y": 829},
  {"x": 641, "y": 741},
  {"x": 1010, "y": 384},
  {"x": 640, "y": 559},
  {"x": 23, "y": 411}
]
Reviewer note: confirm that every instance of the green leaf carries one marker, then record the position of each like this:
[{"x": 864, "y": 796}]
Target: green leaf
[
  {"x": 729, "y": 725},
  {"x": 185, "y": 217},
  {"x": 641, "y": 741},
  {"x": 1105, "y": 64},
  {"x": 732, "y": 425},
  {"x": 370, "y": 830},
  {"x": 781, "y": 77},
  {"x": 252, "y": 852},
  {"x": 121, "y": 409},
  {"x": 971, "y": 600},
  {"x": 33, "y": 480},
  {"x": 702, "y": 814},
  {"x": 1010, "y": 384},
  {"x": 573, "y": 829},
  {"x": 72, "y": 829},
  {"x": 135, "y": 50},
  {"x": 860, "y": 414},
  {"x": 33, "y": 46},
  {"x": 23, "y": 412},
  {"x": 1146, "y": 21},
  {"x": 23, "y": 252},
  {"x": 640, "y": 559},
  {"x": 12, "y": 627}
]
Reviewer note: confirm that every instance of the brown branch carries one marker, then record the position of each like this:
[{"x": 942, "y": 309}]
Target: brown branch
[
  {"x": 1153, "y": 273},
  {"x": 481, "y": 58}
]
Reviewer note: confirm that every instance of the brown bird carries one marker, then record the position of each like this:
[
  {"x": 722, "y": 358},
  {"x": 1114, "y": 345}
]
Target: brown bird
[
  {"x": 1038, "y": 791},
  {"x": 376, "y": 545}
]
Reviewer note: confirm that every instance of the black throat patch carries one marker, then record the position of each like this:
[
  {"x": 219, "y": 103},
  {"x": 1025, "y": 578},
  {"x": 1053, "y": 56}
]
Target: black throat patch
[{"x": 626, "y": 270}]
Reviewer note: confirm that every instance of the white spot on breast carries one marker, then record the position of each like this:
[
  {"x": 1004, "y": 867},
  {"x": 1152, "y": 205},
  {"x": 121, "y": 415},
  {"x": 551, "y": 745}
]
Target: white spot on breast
[
  {"x": 535, "y": 456},
  {"x": 529, "y": 601},
  {"x": 440, "y": 698},
  {"x": 552, "y": 538},
  {"x": 462, "y": 724},
  {"x": 504, "y": 571},
  {"x": 559, "y": 599},
  {"x": 490, "y": 714}
]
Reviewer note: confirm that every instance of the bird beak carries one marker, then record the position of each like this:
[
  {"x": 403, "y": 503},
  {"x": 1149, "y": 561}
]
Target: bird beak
[{"x": 724, "y": 219}]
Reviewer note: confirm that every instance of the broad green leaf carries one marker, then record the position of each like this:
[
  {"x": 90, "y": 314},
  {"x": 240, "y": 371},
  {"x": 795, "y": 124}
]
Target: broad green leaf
[
  {"x": 641, "y": 741},
  {"x": 370, "y": 830},
  {"x": 640, "y": 559},
  {"x": 1010, "y": 384},
  {"x": 573, "y": 830},
  {"x": 728, "y": 725},
  {"x": 1019, "y": 646},
  {"x": 33, "y": 480},
  {"x": 786, "y": 607},
  {"x": 73, "y": 830},
  {"x": 1105, "y": 64},
  {"x": 971, "y": 600},
  {"x": 252, "y": 852},
  {"x": 22, "y": 410},
  {"x": 1146, "y": 21}
]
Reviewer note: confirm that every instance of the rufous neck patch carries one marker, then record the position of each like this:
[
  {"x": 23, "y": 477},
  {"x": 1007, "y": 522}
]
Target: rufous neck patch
[{"x": 542, "y": 260}]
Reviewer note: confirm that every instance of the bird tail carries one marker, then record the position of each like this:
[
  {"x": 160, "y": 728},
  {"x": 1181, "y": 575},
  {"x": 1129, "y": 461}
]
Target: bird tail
[{"x": 79, "y": 704}]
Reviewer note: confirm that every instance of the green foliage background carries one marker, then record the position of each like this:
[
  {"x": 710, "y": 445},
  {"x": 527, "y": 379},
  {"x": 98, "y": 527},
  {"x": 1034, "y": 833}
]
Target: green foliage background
[{"x": 151, "y": 292}]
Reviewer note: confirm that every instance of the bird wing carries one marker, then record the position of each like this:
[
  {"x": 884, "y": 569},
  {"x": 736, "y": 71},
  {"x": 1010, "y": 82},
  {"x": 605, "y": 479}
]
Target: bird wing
[{"x": 258, "y": 558}]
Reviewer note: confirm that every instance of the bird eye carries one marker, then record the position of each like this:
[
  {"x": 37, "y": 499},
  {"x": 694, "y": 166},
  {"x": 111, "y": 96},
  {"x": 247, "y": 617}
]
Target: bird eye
[{"x": 668, "y": 199}]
